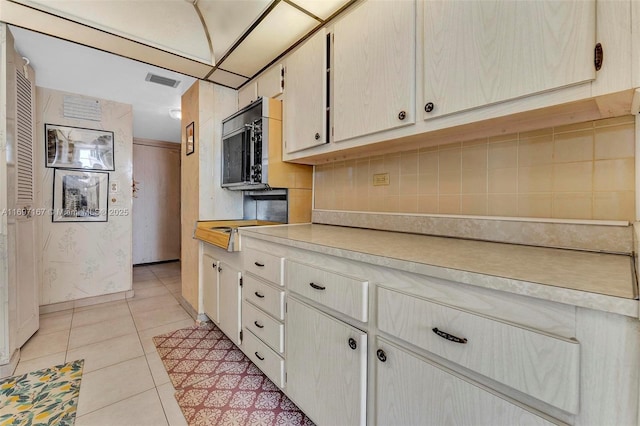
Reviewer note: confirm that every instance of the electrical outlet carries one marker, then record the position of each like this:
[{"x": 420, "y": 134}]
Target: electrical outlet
[
  {"x": 114, "y": 187},
  {"x": 381, "y": 179}
]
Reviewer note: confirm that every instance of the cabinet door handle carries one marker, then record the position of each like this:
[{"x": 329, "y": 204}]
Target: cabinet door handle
[
  {"x": 260, "y": 295},
  {"x": 258, "y": 264},
  {"x": 402, "y": 115},
  {"x": 317, "y": 136},
  {"x": 429, "y": 106},
  {"x": 449, "y": 337},
  {"x": 317, "y": 287},
  {"x": 352, "y": 343},
  {"x": 213, "y": 265},
  {"x": 382, "y": 356},
  {"x": 219, "y": 269},
  {"x": 261, "y": 358},
  {"x": 258, "y": 324}
]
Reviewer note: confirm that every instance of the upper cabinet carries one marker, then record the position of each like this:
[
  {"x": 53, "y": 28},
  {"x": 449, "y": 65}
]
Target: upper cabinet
[
  {"x": 414, "y": 73},
  {"x": 483, "y": 52},
  {"x": 271, "y": 82},
  {"x": 247, "y": 94},
  {"x": 304, "y": 95},
  {"x": 373, "y": 68},
  {"x": 268, "y": 85}
]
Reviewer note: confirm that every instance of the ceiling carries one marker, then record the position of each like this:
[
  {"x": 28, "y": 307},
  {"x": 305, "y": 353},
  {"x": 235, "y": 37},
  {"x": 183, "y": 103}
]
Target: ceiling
[
  {"x": 94, "y": 73},
  {"x": 224, "y": 41}
]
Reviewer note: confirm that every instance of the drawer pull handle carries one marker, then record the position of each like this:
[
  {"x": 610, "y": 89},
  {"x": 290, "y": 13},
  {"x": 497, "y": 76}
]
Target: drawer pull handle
[
  {"x": 381, "y": 355},
  {"x": 261, "y": 358},
  {"x": 260, "y": 295},
  {"x": 352, "y": 343},
  {"x": 258, "y": 324},
  {"x": 450, "y": 337},
  {"x": 258, "y": 264},
  {"x": 317, "y": 287}
]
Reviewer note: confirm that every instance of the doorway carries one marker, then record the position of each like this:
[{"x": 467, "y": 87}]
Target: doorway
[{"x": 156, "y": 201}]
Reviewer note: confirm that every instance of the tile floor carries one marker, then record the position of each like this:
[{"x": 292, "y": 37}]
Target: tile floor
[{"x": 124, "y": 382}]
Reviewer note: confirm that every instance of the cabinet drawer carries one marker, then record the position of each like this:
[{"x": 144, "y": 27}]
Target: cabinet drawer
[
  {"x": 264, "y": 265},
  {"x": 267, "y": 298},
  {"x": 537, "y": 364},
  {"x": 264, "y": 358},
  {"x": 262, "y": 325},
  {"x": 340, "y": 292}
]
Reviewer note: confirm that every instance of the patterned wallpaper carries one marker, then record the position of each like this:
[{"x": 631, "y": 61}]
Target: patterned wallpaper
[{"x": 85, "y": 259}]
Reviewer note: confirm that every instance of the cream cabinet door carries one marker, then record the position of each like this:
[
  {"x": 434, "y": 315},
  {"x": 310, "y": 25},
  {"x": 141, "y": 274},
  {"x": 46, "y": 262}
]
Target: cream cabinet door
[
  {"x": 210, "y": 288},
  {"x": 229, "y": 305},
  {"x": 247, "y": 94},
  {"x": 482, "y": 52},
  {"x": 270, "y": 83},
  {"x": 304, "y": 95},
  {"x": 326, "y": 366},
  {"x": 411, "y": 391},
  {"x": 374, "y": 68}
]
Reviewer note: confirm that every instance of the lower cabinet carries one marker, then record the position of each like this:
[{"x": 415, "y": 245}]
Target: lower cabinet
[
  {"x": 326, "y": 366},
  {"x": 210, "y": 288},
  {"x": 441, "y": 353},
  {"x": 412, "y": 391},
  {"x": 230, "y": 296}
]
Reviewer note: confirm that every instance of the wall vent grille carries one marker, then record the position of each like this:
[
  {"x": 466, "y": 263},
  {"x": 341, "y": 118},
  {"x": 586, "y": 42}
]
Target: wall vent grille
[
  {"x": 24, "y": 139},
  {"x": 165, "y": 81}
]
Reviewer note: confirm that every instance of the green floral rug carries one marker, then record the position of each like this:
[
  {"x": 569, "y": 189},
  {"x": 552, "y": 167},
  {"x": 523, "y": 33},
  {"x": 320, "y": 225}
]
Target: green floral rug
[{"x": 44, "y": 397}]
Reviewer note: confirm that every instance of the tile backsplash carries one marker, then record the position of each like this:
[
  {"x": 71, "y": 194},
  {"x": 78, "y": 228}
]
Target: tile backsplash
[{"x": 580, "y": 171}]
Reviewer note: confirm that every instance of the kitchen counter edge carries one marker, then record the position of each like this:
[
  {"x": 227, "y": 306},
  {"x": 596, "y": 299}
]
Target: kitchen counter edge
[{"x": 569, "y": 296}]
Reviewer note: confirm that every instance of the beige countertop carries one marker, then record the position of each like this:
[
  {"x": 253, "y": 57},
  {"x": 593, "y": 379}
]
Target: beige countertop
[{"x": 595, "y": 280}]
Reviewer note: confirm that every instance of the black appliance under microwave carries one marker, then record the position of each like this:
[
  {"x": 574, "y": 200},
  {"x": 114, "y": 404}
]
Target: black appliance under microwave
[{"x": 245, "y": 148}]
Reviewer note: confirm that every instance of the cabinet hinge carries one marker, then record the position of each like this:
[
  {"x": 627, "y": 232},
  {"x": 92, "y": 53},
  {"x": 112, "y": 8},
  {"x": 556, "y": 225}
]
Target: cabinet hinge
[
  {"x": 241, "y": 336},
  {"x": 240, "y": 281},
  {"x": 282, "y": 78},
  {"x": 598, "y": 56},
  {"x": 332, "y": 131}
]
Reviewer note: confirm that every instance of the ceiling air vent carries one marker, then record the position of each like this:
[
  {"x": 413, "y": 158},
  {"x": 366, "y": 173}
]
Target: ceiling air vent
[{"x": 165, "y": 81}]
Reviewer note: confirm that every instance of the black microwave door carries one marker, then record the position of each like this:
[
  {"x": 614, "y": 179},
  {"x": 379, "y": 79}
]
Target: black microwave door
[{"x": 236, "y": 157}]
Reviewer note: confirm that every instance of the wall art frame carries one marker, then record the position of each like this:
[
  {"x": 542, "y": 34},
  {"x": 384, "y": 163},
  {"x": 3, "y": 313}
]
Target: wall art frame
[
  {"x": 80, "y": 196},
  {"x": 191, "y": 138},
  {"x": 68, "y": 147}
]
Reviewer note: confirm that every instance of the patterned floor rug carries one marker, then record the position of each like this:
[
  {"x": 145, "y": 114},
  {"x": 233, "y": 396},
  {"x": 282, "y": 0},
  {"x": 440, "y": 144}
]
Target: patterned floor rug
[
  {"x": 44, "y": 397},
  {"x": 218, "y": 385}
]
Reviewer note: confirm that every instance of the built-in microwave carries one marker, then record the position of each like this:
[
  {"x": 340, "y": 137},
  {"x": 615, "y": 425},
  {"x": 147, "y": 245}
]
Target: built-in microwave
[{"x": 245, "y": 148}]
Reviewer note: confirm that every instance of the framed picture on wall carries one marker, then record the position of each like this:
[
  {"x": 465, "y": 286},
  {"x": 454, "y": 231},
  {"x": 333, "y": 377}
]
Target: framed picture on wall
[
  {"x": 80, "y": 196},
  {"x": 78, "y": 148},
  {"x": 191, "y": 138}
]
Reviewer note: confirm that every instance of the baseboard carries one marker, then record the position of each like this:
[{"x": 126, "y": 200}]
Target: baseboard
[
  {"x": 187, "y": 307},
  {"x": 9, "y": 368},
  {"x": 88, "y": 301}
]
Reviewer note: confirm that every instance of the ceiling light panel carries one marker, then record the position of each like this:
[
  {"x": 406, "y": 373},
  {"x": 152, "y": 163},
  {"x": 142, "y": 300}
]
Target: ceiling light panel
[
  {"x": 170, "y": 25},
  {"x": 226, "y": 78},
  {"x": 227, "y": 20},
  {"x": 281, "y": 28},
  {"x": 321, "y": 8}
]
